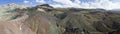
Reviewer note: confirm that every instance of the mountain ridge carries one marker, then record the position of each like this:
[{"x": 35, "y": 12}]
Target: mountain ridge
[{"x": 45, "y": 19}]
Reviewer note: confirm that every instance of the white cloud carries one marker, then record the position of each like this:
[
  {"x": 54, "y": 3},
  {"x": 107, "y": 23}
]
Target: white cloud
[
  {"x": 41, "y": 1},
  {"x": 26, "y": 1},
  {"x": 77, "y": 1},
  {"x": 105, "y": 4},
  {"x": 68, "y": 3},
  {"x": 57, "y": 5}
]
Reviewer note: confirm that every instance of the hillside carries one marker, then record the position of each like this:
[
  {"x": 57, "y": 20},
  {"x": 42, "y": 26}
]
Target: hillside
[{"x": 45, "y": 19}]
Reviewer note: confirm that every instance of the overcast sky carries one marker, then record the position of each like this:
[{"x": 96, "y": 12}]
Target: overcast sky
[{"x": 105, "y": 4}]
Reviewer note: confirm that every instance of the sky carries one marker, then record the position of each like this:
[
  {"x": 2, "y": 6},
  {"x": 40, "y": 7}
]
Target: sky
[{"x": 104, "y": 4}]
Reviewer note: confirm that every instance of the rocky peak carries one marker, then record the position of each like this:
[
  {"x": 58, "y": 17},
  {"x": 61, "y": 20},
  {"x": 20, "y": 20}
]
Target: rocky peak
[{"x": 44, "y": 6}]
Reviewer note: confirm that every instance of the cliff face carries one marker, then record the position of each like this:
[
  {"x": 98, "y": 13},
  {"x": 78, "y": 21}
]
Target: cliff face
[{"x": 44, "y": 19}]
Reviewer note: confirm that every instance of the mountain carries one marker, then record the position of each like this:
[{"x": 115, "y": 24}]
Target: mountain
[
  {"x": 88, "y": 21},
  {"x": 45, "y": 19},
  {"x": 115, "y": 10},
  {"x": 11, "y": 7}
]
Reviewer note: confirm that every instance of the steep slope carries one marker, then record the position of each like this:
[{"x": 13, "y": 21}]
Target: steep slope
[
  {"x": 41, "y": 23},
  {"x": 36, "y": 22},
  {"x": 88, "y": 21}
]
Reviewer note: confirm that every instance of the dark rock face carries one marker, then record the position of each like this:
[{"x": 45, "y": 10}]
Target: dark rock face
[{"x": 47, "y": 5}]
